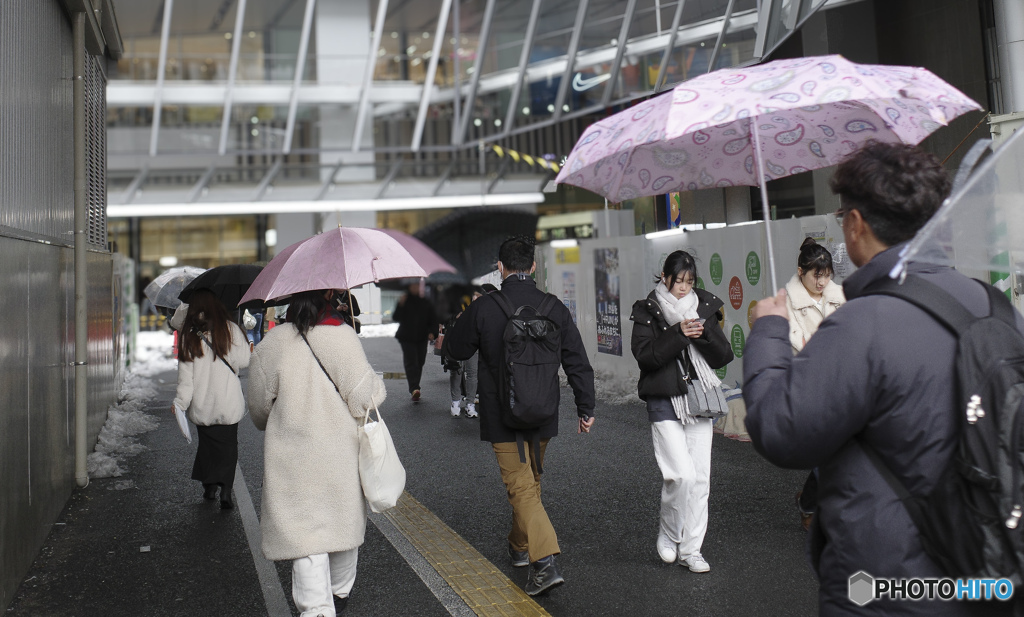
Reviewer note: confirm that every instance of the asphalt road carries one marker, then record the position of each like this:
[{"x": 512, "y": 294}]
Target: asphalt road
[{"x": 601, "y": 492}]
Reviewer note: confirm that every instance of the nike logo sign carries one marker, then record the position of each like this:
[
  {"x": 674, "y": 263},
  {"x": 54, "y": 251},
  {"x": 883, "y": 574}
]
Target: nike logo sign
[{"x": 581, "y": 85}]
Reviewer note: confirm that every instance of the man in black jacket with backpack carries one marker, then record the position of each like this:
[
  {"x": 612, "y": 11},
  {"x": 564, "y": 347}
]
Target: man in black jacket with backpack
[
  {"x": 875, "y": 389},
  {"x": 532, "y": 540}
]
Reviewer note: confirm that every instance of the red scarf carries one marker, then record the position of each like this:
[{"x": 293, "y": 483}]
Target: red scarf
[{"x": 329, "y": 317}]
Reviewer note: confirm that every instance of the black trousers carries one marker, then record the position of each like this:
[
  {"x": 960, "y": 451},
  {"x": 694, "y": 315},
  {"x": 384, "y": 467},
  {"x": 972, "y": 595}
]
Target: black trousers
[
  {"x": 414, "y": 356},
  {"x": 217, "y": 455}
]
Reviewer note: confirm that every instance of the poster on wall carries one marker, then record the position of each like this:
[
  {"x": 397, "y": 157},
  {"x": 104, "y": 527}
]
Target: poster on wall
[
  {"x": 606, "y": 289},
  {"x": 569, "y": 293}
]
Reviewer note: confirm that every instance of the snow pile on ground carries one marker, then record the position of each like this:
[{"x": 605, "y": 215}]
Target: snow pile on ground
[
  {"x": 378, "y": 330},
  {"x": 117, "y": 440}
]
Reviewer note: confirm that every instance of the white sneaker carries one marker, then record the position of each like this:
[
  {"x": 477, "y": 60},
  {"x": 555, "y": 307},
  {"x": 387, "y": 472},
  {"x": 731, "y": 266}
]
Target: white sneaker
[
  {"x": 455, "y": 409},
  {"x": 695, "y": 563},
  {"x": 667, "y": 549},
  {"x": 471, "y": 411}
]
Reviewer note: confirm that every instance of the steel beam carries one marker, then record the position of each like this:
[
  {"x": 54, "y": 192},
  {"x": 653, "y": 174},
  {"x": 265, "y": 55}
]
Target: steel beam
[
  {"x": 193, "y": 194},
  {"x": 264, "y": 184},
  {"x": 570, "y": 63},
  {"x": 236, "y": 44},
  {"x": 444, "y": 177},
  {"x": 388, "y": 179},
  {"x": 474, "y": 82},
  {"x": 428, "y": 82},
  {"x": 721, "y": 35},
  {"x": 161, "y": 66},
  {"x": 133, "y": 188},
  {"x": 663, "y": 69},
  {"x": 627, "y": 20},
  {"x": 524, "y": 60},
  {"x": 371, "y": 65},
  {"x": 300, "y": 66},
  {"x": 326, "y": 185}
]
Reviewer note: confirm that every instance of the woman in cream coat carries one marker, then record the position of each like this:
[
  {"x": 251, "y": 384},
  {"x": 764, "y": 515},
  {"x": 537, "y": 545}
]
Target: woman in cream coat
[
  {"x": 811, "y": 296},
  {"x": 213, "y": 350},
  {"x": 313, "y": 510}
]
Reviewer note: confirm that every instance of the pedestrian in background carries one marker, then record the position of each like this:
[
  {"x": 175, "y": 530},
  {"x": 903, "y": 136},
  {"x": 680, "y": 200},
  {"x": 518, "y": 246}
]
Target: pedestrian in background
[
  {"x": 463, "y": 374},
  {"x": 532, "y": 541},
  {"x": 677, "y": 342},
  {"x": 212, "y": 350},
  {"x": 877, "y": 374},
  {"x": 309, "y": 385},
  {"x": 417, "y": 325},
  {"x": 811, "y": 296}
]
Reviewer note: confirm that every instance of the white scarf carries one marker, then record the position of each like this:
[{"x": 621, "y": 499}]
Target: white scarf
[{"x": 675, "y": 311}]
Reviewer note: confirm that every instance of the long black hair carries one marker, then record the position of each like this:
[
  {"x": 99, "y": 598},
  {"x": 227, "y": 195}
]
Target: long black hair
[
  {"x": 814, "y": 258},
  {"x": 677, "y": 262},
  {"x": 206, "y": 313}
]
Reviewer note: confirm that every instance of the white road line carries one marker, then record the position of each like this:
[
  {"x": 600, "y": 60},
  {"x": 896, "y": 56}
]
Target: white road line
[
  {"x": 451, "y": 601},
  {"x": 270, "y": 582}
]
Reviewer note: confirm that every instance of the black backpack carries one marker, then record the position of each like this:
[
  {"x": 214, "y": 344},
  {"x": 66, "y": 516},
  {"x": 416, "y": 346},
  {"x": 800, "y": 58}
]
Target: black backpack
[
  {"x": 970, "y": 524},
  {"x": 528, "y": 387}
]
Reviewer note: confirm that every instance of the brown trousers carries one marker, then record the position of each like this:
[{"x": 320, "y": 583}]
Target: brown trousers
[{"x": 531, "y": 528}]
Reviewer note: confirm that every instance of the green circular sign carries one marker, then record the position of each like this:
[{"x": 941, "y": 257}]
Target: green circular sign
[
  {"x": 753, "y": 268},
  {"x": 721, "y": 372},
  {"x": 738, "y": 341},
  {"x": 715, "y": 269},
  {"x": 699, "y": 284}
]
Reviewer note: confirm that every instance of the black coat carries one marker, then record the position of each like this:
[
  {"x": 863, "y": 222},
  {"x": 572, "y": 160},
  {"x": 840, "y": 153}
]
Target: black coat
[
  {"x": 416, "y": 319},
  {"x": 879, "y": 369},
  {"x": 481, "y": 327},
  {"x": 656, "y": 345}
]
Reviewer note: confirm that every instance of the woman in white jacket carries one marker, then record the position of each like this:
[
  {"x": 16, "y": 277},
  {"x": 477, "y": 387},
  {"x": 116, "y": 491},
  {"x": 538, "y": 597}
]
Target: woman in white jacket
[
  {"x": 811, "y": 296},
  {"x": 211, "y": 352},
  {"x": 309, "y": 384}
]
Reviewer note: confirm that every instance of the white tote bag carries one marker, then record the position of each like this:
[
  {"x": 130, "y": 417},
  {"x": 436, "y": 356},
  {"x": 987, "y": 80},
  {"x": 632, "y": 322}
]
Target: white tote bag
[{"x": 380, "y": 471}]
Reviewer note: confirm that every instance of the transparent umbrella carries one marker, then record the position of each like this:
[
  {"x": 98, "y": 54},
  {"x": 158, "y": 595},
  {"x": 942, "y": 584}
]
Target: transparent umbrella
[
  {"x": 980, "y": 229},
  {"x": 164, "y": 289}
]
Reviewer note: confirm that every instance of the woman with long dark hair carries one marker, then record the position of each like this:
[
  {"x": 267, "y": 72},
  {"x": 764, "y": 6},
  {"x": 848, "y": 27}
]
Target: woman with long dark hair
[
  {"x": 678, "y": 342},
  {"x": 211, "y": 352},
  {"x": 309, "y": 385}
]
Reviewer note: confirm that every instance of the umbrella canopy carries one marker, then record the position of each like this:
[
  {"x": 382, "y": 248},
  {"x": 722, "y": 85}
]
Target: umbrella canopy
[
  {"x": 425, "y": 256},
  {"x": 164, "y": 289},
  {"x": 469, "y": 238},
  {"x": 229, "y": 283},
  {"x": 341, "y": 258},
  {"x": 742, "y": 127},
  {"x": 810, "y": 113}
]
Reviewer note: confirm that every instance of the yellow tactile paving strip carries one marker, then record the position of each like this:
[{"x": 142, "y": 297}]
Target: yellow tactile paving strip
[{"x": 483, "y": 587}]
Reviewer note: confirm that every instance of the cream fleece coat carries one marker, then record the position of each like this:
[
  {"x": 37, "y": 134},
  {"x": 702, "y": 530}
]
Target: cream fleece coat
[
  {"x": 312, "y": 500},
  {"x": 804, "y": 315},
  {"x": 208, "y": 390}
]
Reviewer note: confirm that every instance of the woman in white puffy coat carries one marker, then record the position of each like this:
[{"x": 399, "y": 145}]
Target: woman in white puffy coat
[
  {"x": 313, "y": 511},
  {"x": 212, "y": 351}
]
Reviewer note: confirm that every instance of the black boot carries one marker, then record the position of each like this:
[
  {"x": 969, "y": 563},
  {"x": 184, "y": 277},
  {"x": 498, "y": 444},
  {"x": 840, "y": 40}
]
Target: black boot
[
  {"x": 339, "y": 604},
  {"x": 225, "y": 498},
  {"x": 209, "y": 492},
  {"x": 544, "y": 575}
]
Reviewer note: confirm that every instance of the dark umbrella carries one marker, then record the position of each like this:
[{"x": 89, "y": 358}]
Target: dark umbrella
[
  {"x": 228, "y": 283},
  {"x": 469, "y": 238}
]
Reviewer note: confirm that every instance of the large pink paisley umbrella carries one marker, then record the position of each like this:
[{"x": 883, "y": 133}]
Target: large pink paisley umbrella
[
  {"x": 341, "y": 258},
  {"x": 742, "y": 127}
]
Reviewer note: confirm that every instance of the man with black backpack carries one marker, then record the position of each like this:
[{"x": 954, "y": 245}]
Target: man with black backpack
[
  {"x": 523, "y": 336},
  {"x": 876, "y": 401}
]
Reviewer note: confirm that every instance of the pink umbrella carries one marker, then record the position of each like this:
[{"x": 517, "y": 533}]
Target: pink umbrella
[
  {"x": 341, "y": 258},
  {"x": 423, "y": 254},
  {"x": 742, "y": 127}
]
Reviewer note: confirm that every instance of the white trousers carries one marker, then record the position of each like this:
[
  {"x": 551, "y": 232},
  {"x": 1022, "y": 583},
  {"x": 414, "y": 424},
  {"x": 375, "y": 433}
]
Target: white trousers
[
  {"x": 684, "y": 456},
  {"x": 317, "y": 578}
]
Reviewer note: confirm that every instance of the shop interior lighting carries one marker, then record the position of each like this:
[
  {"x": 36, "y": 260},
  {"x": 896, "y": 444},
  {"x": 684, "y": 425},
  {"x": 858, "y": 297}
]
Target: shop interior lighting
[{"x": 564, "y": 244}]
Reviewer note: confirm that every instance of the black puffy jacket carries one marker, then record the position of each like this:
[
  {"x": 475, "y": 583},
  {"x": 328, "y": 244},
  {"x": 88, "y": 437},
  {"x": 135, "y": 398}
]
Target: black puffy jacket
[{"x": 656, "y": 345}]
